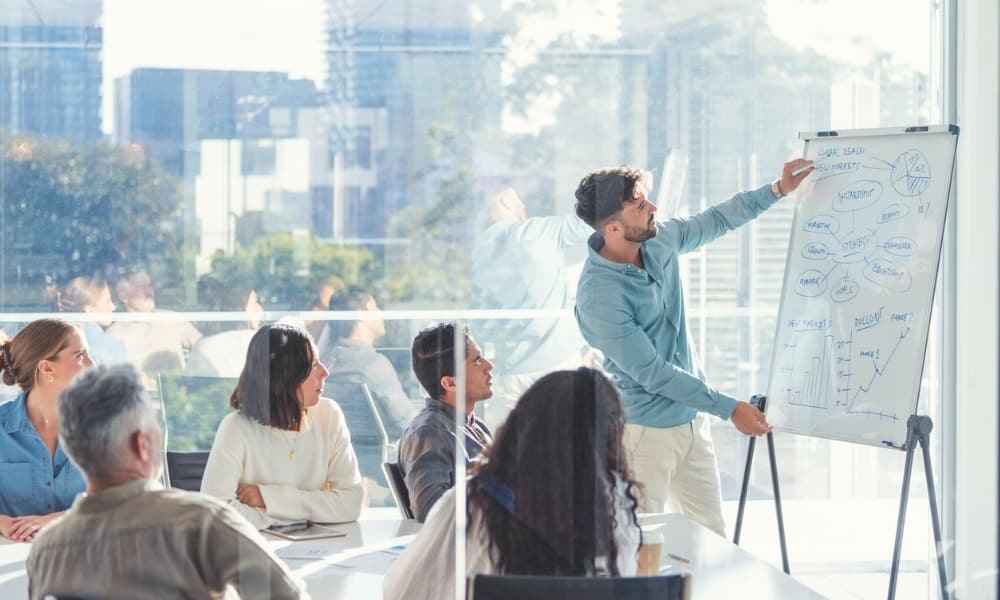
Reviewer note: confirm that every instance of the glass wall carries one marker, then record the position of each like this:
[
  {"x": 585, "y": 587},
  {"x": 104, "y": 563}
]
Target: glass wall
[{"x": 222, "y": 166}]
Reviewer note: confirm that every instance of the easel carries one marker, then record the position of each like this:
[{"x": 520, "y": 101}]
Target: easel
[{"x": 918, "y": 432}]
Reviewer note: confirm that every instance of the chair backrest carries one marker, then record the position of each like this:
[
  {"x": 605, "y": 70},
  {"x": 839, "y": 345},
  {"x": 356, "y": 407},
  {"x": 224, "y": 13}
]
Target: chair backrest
[
  {"x": 534, "y": 587},
  {"x": 185, "y": 469},
  {"x": 360, "y": 410},
  {"x": 397, "y": 485},
  {"x": 369, "y": 437},
  {"x": 193, "y": 407}
]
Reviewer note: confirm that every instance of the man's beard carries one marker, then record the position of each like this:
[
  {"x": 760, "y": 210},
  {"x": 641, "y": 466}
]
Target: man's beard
[{"x": 640, "y": 234}]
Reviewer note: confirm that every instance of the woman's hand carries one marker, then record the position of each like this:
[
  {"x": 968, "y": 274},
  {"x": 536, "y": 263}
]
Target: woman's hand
[
  {"x": 24, "y": 529},
  {"x": 250, "y": 495}
]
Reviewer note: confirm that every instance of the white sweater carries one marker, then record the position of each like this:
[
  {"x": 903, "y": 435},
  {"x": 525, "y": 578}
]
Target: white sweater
[{"x": 322, "y": 483}]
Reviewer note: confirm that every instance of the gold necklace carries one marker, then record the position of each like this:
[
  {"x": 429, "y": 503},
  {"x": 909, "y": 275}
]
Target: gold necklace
[
  {"x": 292, "y": 447},
  {"x": 42, "y": 411}
]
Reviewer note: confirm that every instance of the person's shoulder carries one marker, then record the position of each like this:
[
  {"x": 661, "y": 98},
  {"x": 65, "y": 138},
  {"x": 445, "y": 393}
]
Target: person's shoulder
[
  {"x": 427, "y": 425},
  {"x": 9, "y": 408},
  {"x": 57, "y": 532},
  {"x": 235, "y": 423},
  {"x": 327, "y": 412},
  {"x": 597, "y": 287}
]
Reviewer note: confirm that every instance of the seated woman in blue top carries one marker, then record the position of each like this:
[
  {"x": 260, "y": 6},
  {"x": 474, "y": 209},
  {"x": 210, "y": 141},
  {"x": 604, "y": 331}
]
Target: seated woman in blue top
[{"x": 37, "y": 480}]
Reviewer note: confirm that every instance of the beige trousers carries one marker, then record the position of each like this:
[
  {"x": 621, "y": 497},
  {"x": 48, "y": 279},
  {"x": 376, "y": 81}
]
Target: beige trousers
[{"x": 678, "y": 471}]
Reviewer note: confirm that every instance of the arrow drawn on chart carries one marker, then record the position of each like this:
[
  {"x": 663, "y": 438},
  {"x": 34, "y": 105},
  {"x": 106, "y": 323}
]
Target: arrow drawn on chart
[{"x": 879, "y": 371}]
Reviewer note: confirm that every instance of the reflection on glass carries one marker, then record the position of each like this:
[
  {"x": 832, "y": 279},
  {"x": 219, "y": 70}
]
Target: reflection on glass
[{"x": 332, "y": 143}]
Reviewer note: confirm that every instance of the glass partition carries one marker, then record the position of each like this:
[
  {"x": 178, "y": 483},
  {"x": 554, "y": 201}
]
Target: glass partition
[{"x": 174, "y": 174}]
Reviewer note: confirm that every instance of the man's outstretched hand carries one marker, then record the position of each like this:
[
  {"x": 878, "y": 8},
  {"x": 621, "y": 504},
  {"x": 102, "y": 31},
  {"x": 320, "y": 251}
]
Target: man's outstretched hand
[{"x": 748, "y": 420}]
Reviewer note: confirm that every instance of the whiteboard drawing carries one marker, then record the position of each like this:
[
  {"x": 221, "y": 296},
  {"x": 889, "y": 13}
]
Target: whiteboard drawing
[{"x": 859, "y": 285}]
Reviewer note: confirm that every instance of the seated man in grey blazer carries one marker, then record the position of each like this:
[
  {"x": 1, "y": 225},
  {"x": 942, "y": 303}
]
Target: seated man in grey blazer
[
  {"x": 427, "y": 448},
  {"x": 127, "y": 537}
]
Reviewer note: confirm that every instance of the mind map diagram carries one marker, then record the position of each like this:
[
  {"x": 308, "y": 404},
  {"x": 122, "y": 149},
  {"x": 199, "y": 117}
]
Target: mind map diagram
[{"x": 855, "y": 239}]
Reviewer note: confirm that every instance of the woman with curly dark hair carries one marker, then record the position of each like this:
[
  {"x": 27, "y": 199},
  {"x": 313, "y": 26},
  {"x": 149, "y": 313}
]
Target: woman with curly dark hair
[{"x": 552, "y": 495}]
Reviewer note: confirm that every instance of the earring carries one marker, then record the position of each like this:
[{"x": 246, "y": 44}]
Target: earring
[{"x": 51, "y": 379}]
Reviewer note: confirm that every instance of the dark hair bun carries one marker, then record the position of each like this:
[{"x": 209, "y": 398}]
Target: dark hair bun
[{"x": 6, "y": 365}]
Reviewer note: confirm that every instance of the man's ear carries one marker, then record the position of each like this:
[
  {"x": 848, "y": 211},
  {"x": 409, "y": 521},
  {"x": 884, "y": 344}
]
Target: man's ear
[
  {"x": 448, "y": 383},
  {"x": 140, "y": 444},
  {"x": 611, "y": 227}
]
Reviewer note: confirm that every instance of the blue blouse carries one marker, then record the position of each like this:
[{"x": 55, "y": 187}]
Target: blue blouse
[{"x": 30, "y": 482}]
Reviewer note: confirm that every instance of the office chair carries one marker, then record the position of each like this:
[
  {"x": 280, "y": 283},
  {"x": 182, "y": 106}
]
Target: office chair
[
  {"x": 536, "y": 587},
  {"x": 397, "y": 485},
  {"x": 191, "y": 409},
  {"x": 184, "y": 470}
]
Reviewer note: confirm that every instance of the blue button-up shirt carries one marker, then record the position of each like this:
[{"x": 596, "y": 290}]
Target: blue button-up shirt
[
  {"x": 32, "y": 483},
  {"x": 522, "y": 265},
  {"x": 636, "y": 317}
]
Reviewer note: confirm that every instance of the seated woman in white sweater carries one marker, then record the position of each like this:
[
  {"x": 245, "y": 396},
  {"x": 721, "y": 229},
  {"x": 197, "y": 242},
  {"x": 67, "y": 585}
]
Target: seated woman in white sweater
[
  {"x": 551, "y": 496},
  {"x": 285, "y": 454}
]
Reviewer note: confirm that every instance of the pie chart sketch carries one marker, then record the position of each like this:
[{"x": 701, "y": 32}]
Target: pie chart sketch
[{"x": 911, "y": 174}]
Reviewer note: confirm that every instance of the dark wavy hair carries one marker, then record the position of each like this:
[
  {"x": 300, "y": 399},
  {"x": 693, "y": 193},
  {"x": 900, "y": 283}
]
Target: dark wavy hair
[
  {"x": 593, "y": 204},
  {"x": 545, "y": 490},
  {"x": 433, "y": 356},
  {"x": 278, "y": 361}
]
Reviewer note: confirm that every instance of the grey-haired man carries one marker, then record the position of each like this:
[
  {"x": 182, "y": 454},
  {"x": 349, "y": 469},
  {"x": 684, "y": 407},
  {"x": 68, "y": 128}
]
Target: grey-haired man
[{"x": 127, "y": 537}]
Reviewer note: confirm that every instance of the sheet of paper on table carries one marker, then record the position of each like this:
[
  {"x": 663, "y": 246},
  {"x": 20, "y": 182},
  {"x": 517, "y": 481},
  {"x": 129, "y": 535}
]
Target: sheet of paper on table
[{"x": 315, "y": 550}]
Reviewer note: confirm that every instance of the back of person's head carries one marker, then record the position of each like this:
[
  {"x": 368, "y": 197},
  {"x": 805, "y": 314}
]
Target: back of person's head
[
  {"x": 433, "y": 356},
  {"x": 80, "y": 293},
  {"x": 353, "y": 298},
  {"x": 136, "y": 292},
  {"x": 545, "y": 489},
  {"x": 602, "y": 194},
  {"x": 279, "y": 359},
  {"x": 37, "y": 341},
  {"x": 98, "y": 413},
  {"x": 223, "y": 296}
]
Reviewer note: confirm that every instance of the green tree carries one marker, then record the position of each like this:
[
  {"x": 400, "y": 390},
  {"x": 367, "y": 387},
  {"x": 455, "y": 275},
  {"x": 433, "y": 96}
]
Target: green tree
[
  {"x": 287, "y": 271},
  {"x": 78, "y": 210},
  {"x": 435, "y": 266}
]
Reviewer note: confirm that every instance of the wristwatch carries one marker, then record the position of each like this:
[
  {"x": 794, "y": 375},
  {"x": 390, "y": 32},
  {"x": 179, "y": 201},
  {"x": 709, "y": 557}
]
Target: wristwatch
[{"x": 776, "y": 190}]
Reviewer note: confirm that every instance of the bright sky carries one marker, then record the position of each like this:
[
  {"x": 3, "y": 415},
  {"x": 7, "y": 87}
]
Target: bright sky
[
  {"x": 287, "y": 35},
  {"x": 260, "y": 35},
  {"x": 852, "y": 31}
]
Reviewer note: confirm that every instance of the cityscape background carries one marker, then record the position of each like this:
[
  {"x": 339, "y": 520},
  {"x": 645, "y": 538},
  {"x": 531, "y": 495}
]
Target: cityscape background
[{"x": 372, "y": 161}]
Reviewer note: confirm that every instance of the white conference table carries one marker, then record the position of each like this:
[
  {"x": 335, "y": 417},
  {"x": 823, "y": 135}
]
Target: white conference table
[
  {"x": 353, "y": 566},
  {"x": 719, "y": 569}
]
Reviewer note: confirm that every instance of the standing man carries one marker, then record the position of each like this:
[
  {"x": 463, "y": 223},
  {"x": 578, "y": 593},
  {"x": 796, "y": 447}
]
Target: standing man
[
  {"x": 520, "y": 263},
  {"x": 630, "y": 305}
]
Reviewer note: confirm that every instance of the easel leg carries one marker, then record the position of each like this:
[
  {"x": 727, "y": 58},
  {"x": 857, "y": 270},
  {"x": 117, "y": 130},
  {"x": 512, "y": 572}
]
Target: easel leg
[
  {"x": 919, "y": 433},
  {"x": 935, "y": 520},
  {"x": 777, "y": 503},
  {"x": 758, "y": 402},
  {"x": 743, "y": 491},
  {"x": 897, "y": 548}
]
